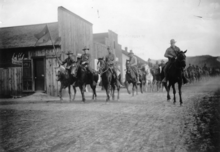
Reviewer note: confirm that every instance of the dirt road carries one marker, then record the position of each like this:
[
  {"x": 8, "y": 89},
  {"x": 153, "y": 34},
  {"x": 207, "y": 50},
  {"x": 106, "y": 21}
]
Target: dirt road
[{"x": 145, "y": 123}]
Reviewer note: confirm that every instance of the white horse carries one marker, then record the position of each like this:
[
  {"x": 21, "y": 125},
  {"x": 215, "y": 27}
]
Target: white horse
[{"x": 149, "y": 78}]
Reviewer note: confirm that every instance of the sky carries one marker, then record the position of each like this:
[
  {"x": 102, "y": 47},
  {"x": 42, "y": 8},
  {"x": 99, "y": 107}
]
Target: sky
[{"x": 144, "y": 26}]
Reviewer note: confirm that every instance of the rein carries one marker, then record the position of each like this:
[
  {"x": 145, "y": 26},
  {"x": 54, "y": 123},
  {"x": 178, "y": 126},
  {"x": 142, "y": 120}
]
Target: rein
[{"x": 101, "y": 68}]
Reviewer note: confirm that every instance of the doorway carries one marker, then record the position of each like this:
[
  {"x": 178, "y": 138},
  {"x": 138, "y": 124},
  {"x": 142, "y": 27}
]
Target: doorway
[{"x": 39, "y": 74}]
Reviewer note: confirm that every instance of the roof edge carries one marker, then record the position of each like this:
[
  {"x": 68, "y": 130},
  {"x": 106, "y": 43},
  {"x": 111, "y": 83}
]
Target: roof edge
[
  {"x": 27, "y": 25},
  {"x": 68, "y": 11}
]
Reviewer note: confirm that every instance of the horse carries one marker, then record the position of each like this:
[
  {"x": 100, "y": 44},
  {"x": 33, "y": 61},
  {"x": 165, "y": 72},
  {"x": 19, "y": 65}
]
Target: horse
[
  {"x": 131, "y": 77},
  {"x": 83, "y": 78},
  {"x": 66, "y": 80},
  {"x": 175, "y": 76},
  {"x": 156, "y": 72},
  {"x": 108, "y": 79},
  {"x": 148, "y": 77}
]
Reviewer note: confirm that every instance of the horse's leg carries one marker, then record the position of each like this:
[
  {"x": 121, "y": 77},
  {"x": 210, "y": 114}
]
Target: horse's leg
[
  {"x": 74, "y": 95},
  {"x": 174, "y": 93},
  {"x": 127, "y": 86},
  {"x": 69, "y": 90},
  {"x": 136, "y": 88},
  {"x": 61, "y": 87},
  {"x": 141, "y": 87},
  {"x": 168, "y": 92},
  {"x": 82, "y": 88},
  {"x": 132, "y": 89},
  {"x": 118, "y": 90},
  {"x": 180, "y": 92},
  {"x": 113, "y": 92},
  {"x": 94, "y": 91},
  {"x": 108, "y": 89}
]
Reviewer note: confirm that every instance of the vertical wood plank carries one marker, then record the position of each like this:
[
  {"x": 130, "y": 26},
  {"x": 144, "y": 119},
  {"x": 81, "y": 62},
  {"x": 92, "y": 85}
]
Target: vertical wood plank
[
  {"x": 1, "y": 81},
  {"x": 9, "y": 80},
  {"x": 15, "y": 81}
]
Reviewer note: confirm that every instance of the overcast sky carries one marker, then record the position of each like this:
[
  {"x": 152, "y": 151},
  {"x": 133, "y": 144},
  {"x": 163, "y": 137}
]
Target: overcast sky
[{"x": 145, "y": 26}]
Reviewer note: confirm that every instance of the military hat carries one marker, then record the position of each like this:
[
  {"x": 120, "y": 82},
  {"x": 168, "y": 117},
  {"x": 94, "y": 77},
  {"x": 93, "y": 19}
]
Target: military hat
[
  {"x": 131, "y": 52},
  {"x": 172, "y": 41},
  {"x": 69, "y": 52}
]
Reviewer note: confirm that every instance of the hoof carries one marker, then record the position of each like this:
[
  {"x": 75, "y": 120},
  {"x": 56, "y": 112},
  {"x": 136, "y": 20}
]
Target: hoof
[{"x": 83, "y": 100}]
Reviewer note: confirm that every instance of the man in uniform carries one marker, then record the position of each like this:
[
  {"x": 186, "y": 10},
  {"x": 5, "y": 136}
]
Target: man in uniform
[
  {"x": 171, "y": 54},
  {"x": 110, "y": 60},
  {"x": 133, "y": 63},
  {"x": 69, "y": 61},
  {"x": 85, "y": 61},
  {"x": 205, "y": 68}
]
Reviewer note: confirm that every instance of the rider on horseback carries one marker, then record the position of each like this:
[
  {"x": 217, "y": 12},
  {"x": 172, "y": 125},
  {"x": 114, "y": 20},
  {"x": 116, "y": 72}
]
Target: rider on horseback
[
  {"x": 69, "y": 61},
  {"x": 85, "y": 60},
  {"x": 133, "y": 64},
  {"x": 171, "y": 54},
  {"x": 110, "y": 60}
]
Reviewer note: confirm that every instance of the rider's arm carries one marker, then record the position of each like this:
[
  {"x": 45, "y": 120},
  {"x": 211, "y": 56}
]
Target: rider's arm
[
  {"x": 133, "y": 61},
  {"x": 167, "y": 54}
]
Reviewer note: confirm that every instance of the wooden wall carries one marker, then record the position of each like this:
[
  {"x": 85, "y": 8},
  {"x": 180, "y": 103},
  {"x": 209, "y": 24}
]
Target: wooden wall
[
  {"x": 51, "y": 85},
  {"x": 100, "y": 50},
  {"x": 75, "y": 32},
  {"x": 11, "y": 78},
  {"x": 10, "y": 81}
]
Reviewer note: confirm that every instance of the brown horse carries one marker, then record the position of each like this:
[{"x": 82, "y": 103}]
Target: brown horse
[
  {"x": 109, "y": 81},
  {"x": 175, "y": 76}
]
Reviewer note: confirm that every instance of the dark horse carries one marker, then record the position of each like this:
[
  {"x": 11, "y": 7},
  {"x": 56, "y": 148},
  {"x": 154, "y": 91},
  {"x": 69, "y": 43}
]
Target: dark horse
[
  {"x": 175, "y": 75},
  {"x": 131, "y": 77},
  {"x": 83, "y": 77},
  {"x": 109, "y": 81}
]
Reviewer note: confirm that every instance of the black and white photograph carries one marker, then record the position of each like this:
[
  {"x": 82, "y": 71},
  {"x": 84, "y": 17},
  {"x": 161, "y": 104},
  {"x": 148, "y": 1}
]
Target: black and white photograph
[{"x": 109, "y": 76}]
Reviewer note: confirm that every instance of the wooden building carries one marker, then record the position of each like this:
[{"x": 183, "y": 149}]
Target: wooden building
[
  {"x": 27, "y": 59},
  {"x": 104, "y": 40}
]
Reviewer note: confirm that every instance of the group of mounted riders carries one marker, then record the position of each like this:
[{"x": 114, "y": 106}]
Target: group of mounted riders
[{"x": 80, "y": 73}]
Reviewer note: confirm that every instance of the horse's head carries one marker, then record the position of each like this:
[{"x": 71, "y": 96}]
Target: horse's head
[
  {"x": 101, "y": 64},
  {"x": 74, "y": 69},
  {"x": 60, "y": 72},
  {"x": 181, "y": 59}
]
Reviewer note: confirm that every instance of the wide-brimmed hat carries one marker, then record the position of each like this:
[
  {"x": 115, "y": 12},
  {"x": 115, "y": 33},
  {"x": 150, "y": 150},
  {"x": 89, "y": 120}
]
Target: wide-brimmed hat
[
  {"x": 172, "y": 41},
  {"x": 131, "y": 52},
  {"x": 69, "y": 52},
  {"x": 85, "y": 48}
]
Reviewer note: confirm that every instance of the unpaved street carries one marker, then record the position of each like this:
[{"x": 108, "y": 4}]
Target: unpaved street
[{"x": 146, "y": 123}]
